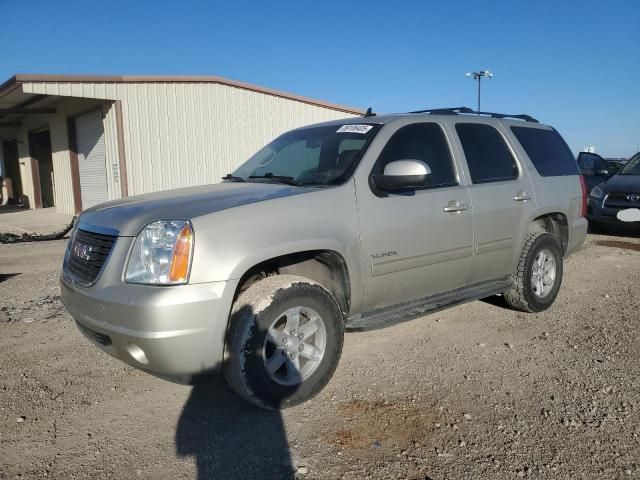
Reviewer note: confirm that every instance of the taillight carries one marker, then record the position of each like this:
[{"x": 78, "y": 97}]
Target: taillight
[{"x": 583, "y": 185}]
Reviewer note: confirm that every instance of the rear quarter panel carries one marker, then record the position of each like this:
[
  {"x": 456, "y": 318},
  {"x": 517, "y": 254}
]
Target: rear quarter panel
[{"x": 560, "y": 194}]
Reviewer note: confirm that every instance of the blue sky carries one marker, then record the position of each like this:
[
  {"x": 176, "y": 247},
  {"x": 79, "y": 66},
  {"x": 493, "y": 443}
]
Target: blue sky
[{"x": 575, "y": 65}]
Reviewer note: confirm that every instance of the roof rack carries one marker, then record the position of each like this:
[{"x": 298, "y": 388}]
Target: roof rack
[{"x": 467, "y": 110}]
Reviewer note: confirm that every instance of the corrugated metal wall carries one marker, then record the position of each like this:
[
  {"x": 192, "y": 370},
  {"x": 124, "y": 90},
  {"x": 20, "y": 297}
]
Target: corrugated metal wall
[{"x": 182, "y": 134}]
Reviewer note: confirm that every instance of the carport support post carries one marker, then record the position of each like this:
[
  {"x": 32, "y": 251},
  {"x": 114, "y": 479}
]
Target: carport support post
[{"x": 122, "y": 164}]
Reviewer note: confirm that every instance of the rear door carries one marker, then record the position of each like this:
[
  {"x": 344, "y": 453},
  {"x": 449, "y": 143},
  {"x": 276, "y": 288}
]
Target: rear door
[{"x": 501, "y": 194}]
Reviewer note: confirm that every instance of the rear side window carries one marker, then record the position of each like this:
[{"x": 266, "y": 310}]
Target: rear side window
[
  {"x": 425, "y": 142},
  {"x": 547, "y": 150},
  {"x": 488, "y": 157}
]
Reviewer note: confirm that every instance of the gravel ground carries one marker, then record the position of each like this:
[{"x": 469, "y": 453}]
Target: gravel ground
[{"x": 477, "y": 391}]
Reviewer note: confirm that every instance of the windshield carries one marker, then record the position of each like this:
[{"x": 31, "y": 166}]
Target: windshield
[
  {"x": 312, "y": 156},
  {"x": 632, "y": 167}
]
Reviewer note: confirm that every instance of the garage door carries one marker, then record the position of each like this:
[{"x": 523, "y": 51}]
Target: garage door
[{"x": 91, "y": 159}]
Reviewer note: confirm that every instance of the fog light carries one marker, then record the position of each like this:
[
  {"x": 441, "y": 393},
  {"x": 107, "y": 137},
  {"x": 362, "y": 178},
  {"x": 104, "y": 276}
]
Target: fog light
[{"x": 137, "y": 353}]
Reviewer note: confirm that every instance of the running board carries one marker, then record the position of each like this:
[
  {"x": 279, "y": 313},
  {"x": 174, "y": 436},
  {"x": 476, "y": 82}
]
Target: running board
[{"x": 403, "y": 312}]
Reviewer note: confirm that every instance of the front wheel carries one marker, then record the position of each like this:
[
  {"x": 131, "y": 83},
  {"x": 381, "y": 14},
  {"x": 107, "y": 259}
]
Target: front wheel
[
  {"x": 538, "y": 276},
  {"x": 284, "y": 341}
]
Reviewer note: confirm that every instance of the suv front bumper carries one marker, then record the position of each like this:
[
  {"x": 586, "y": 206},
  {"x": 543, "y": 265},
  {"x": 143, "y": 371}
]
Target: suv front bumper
[
  {"x": 174, "y": 332},
  {"x": 599, "y": 211}
]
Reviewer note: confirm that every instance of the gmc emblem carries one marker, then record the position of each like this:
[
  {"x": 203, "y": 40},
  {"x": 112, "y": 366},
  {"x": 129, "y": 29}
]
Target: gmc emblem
[{"x": 82, "y": 250}]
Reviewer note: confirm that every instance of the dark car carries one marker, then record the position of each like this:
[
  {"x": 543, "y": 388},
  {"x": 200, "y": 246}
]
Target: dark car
[
  {"x": 596, "y": 169},
  {"x": 618, "y": 192}
]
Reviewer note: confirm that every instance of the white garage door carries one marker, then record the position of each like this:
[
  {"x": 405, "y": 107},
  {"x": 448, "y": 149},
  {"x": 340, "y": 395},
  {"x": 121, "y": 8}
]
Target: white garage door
[{"x": 91, "y": 159}]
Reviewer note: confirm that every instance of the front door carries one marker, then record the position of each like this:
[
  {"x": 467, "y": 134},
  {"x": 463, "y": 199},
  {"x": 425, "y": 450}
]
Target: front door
[{"x": 411, "y": 246}]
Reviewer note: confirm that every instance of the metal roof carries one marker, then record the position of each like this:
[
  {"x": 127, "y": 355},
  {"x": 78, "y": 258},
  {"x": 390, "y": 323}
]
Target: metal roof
[{"x": 13, "y": 98}]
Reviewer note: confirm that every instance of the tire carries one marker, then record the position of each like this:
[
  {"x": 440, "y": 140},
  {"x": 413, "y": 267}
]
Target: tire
[
  {"x": 261, "y": 333},
  {"x": 523, "y": 295}
]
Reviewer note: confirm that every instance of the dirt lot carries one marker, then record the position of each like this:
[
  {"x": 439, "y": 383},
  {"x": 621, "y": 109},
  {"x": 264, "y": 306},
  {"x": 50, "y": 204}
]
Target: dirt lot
[{"x": 477, "y": 391}]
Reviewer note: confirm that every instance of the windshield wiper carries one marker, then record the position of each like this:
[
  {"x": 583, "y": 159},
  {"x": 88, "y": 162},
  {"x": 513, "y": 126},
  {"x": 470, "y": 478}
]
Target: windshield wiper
[
  {"x": 278, "y": 178},
  {"x": 233, "y": 178}
]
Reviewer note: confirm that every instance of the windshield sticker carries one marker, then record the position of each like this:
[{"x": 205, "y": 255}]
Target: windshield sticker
[{"x": 354, "y": 128}]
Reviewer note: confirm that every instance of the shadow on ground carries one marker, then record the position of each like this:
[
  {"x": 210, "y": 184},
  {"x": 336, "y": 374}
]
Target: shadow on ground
[
  {"x": 12, "y": 209},
  {"x": 497, "y": 301},
  {"x": 631, "y": 230},
  {"x": 230, "y": 438},
  {"x": 7, "y": 276}
]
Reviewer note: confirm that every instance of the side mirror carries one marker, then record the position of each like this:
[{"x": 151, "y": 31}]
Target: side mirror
[
  {"x": 602, "y": 172},
  {"x": 403, "y": 174}
]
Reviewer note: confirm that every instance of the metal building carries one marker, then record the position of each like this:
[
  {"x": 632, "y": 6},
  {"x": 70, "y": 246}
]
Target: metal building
[{"x": 75, "y": 141}]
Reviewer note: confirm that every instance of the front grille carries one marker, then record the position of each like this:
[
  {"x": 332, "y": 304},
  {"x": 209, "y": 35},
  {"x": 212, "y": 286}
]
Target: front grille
[
  {"x": 619, "y": 199},
  {"x": 89, "y": 252},
  {"x": 98, "y": 337}
]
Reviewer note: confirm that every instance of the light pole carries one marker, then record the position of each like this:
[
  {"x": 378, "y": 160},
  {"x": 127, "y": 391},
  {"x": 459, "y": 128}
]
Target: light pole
[{"x": 478, "y": 76}]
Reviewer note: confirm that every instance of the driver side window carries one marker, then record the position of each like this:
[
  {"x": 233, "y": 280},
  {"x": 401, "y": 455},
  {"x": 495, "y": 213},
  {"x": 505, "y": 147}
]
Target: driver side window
[{"x": 425, "y": 142}]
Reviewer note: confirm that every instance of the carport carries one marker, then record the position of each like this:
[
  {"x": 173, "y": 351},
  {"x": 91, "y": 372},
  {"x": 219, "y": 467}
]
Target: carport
[{"x": 53, "y": 149}]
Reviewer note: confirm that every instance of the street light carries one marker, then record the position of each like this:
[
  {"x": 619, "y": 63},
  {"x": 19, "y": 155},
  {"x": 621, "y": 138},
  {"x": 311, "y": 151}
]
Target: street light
[{"x": 478, "y": 76}]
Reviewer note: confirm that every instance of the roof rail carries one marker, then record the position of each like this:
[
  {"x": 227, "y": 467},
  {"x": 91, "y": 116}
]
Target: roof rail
[
  {"x": 446, "y": 111},
  {"x": 467, "y": 110}
]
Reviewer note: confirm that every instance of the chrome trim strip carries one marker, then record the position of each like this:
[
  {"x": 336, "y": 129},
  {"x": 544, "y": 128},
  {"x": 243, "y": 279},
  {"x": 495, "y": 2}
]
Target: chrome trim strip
[
  {"x": 495, "y": 245},
  {"x": 397, "y": 265}
]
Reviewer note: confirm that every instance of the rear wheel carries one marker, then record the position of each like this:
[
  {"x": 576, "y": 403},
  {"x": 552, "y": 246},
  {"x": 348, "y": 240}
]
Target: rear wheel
[
  {"x": 284, "y": 341},
  {"x": 538, "y": 276}
]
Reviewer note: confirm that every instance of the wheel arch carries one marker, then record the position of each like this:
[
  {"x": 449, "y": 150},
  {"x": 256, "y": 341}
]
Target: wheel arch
[
  {"x": 555, "y": 223},
  {"x": 327, "y": 267}
]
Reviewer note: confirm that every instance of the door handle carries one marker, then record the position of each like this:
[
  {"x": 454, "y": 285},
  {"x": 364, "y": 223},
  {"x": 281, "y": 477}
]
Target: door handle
[
  {"x": 455, "y": 206},
  {"x": 522, "y": 196}
]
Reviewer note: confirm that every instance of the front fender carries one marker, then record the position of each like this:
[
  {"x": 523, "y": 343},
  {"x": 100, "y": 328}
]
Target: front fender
[{"x": 230, "y": 242}]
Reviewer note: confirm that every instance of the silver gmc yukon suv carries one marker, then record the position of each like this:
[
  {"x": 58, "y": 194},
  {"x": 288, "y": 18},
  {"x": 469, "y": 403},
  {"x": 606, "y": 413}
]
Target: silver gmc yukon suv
[{"x": 345, "y": 225}]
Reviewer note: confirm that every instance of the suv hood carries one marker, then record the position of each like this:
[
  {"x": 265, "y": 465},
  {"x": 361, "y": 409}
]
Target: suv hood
[
  {"x": 128, "y": 216},
  {"x": 623, "y": 183}
]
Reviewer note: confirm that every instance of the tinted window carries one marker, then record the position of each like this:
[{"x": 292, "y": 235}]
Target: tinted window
[
  {"x": 311, "y": 156},
  {"x": 632, "y": 167},
  {"x": 547, "y": 150},
  {"x": 425, "y": 142},
  {"x": 294, "y": 158},
  {"x": 590, "y": 163},
  {"x": 488, "y": 157}
]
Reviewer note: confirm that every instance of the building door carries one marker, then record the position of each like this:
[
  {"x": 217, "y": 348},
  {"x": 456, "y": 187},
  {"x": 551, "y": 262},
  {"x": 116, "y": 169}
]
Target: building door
[
  {"x": 92, "y": 164},
  {"x": 40, "y": 151}
]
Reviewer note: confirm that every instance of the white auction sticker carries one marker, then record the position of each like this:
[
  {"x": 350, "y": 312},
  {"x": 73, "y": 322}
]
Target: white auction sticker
[
  {"x": 629, "y": 215},
  {"x": 357, "y": 128}
]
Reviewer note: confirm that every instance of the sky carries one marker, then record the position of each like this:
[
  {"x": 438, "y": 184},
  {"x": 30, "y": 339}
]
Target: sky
[{"x": 572, "y": 64}]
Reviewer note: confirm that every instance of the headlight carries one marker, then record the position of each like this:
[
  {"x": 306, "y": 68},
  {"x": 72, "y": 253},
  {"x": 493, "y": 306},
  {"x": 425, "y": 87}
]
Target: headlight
[
  {"x": 161, "y": 254},
  {"x": 597, "y": 192}
]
